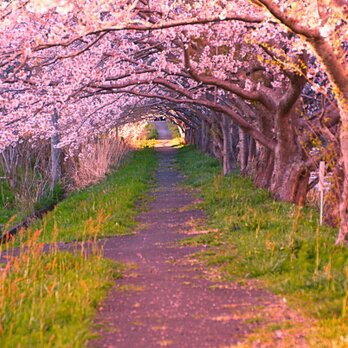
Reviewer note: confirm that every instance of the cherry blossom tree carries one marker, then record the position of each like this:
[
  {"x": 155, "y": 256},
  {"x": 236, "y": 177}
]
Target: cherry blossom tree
[{"x": 213, "y": 65}]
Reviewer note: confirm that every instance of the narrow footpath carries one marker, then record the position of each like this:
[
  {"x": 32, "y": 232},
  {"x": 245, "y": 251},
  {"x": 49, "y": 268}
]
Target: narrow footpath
[{"x": 167, "y": 299}]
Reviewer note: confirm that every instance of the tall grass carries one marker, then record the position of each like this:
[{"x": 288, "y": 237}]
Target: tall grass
[
  {"x": 96, "y": 160},
  {"x": 7, "y": 201},
  {"x": 115, "y": 198},
  {"x": 26, "y": 169},
  {"x": 279, "y": 243},
  {"x": 48, "y": 299}
]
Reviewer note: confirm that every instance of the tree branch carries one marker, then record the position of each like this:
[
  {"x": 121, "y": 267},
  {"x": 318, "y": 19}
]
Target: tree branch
[{"x": 258, "y": 95}]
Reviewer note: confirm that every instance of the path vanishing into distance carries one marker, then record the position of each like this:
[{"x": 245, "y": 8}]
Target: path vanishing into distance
[{"x": 168, "y": 299}]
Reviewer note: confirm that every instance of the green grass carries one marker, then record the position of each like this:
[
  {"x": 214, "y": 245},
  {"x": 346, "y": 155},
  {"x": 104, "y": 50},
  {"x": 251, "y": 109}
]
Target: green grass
[
  {"x": 50, "y": 299},
  {"x": 50, "y": 198},
  {"x": 7, "y": 202},
  {"x": 174, "y": 130},
  {"x": 279, "y": 243},
  {"x": 151, "y": 132},
  {"x": 111, "y": 205},
  {"x": 11, "y": 212},
  {"x": 148, "y": 138}
]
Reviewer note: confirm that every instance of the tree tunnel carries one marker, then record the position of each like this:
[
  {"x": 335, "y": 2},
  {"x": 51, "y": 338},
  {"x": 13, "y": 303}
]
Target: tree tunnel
[{"x": 245, "y": 82}]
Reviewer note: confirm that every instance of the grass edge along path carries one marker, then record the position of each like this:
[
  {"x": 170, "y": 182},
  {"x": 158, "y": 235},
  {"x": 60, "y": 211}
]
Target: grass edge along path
[
  {"x": 278, "y": 243},
  {"x": 49, "y": 299},
  {"x": 112, "y": 204}
]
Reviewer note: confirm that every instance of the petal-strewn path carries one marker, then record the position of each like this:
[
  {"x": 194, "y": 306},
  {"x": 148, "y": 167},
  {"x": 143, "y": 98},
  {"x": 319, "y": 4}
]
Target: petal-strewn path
[{"x": 167, "y": 300}]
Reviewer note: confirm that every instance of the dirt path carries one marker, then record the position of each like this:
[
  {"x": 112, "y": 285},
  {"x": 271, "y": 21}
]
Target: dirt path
[{"x": 167, "y": 300}]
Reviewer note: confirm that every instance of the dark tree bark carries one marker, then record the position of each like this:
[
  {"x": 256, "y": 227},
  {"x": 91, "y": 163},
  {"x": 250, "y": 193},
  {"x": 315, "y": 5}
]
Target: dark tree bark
[
  {"x": 56, "y": 170},
  {"x": 251, "y": 157},
  {"x": 243, "y": 151},
  {"x": 229, "y": 162},
  {"x": 205, "y": 136}
]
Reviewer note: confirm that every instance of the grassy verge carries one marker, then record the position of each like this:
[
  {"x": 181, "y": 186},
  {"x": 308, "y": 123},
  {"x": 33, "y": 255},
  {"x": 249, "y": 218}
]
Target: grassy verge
[
  {"x": 49, "y": 299},
  {"x": 111, "y": 204},
  {"x": 278, "y": 243}
]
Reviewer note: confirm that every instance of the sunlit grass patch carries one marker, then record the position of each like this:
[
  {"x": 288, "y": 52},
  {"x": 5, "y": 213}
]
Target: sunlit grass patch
[
  {"x": 149, "y": 137},
  {"x": 49, "y": 299},
  {"x": 151, "y": 131},
  {"x": 177, "y": 140}
]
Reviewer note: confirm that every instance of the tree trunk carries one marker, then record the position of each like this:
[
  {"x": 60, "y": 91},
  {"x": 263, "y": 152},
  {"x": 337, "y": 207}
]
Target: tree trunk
[
  {"x": 116, "y": 134},
  {"x": 235, "y": 139},
  {"x": 10, "y": 162},
  {"x": 264, "y": 166},
  {"x": 337, "y": 70},
  {"x": 217, "y": 147},
  {"x": 205, "y": 136},
  {"x": 343, "y": 199},
  {"x": 251, "y": 157},
  {"x": 243, "y": 150},
  {"x": 264, "y": 161},
  {"x": 55, "y": 152},
  {"x": 197, "y": 137},
  {"x": 188, "y": 136},
  {"x": 229, "y": 162},
  {"x": 289, "y": 175}
]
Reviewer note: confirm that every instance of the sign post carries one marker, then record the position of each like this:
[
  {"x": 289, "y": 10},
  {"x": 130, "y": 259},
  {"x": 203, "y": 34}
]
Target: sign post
[{"x": 321, "y": 189}]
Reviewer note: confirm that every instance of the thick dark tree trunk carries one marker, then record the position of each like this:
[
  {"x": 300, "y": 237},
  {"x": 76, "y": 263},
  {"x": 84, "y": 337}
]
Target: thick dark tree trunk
[
  {"x": 216, "y": 139},
  {"x": 235, "y": 140},
  {"x": 264, "y": 160},
  {"x": 289, "y": 179},
  {"x": 189, "y": 136},
  {"x": 217, "y": 146},
  {"x": 197, "y": 137},
  {"x": 264, "y": 165}
]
